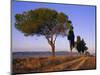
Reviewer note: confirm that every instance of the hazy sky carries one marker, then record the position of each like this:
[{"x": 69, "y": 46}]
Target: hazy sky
[{"x": 82, "y": 17}]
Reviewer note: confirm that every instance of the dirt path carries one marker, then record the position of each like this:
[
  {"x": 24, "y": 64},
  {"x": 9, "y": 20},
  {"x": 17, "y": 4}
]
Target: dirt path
[
  {"x": 71, "y": 65},
  {"x": 80, "y": 63}
]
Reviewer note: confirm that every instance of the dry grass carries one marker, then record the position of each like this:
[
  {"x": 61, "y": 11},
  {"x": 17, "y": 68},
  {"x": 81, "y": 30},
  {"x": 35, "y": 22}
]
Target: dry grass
[
  {"x": 90, "y": 63},
  {"x": 40, "y": 64}
]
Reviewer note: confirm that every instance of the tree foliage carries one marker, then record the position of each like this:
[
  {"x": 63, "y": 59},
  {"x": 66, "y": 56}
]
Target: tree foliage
[
  {"x": 81, "y": 45},
  {"x": 70, "y": 35},
  {"x": 43, "y": 21}
]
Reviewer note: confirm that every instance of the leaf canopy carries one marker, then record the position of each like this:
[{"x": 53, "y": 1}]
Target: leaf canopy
[{"x": 42, "y": 21}]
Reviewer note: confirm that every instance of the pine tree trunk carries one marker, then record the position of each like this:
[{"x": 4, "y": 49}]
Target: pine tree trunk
[
  {"x": 52, "y": 44},
  {"x": 53, "y": 49}
]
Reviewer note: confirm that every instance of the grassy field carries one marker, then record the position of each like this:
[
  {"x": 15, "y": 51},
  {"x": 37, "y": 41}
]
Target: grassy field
[{"x": 50, "y": 64}]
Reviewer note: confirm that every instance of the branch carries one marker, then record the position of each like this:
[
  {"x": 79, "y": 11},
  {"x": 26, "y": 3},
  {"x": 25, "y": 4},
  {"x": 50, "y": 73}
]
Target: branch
[
  {"x": 48, "y": 40},
  {"x": 51, "y": 40},
  {"x": 55, "y": 39}
]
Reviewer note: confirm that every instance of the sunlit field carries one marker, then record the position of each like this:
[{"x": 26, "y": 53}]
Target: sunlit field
[{"x": 50, "y": 64}]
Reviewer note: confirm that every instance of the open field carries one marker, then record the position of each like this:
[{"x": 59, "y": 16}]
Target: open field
[{"x": 50, "y": 64}]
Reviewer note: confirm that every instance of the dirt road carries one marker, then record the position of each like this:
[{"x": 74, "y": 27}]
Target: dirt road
[{"x": 71, "y": 65}]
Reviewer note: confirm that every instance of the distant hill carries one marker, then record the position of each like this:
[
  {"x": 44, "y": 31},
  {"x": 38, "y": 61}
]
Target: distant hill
[{"x": 40, "y": 54}]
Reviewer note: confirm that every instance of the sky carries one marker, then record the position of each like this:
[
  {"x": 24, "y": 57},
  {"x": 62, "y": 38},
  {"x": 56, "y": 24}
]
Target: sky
[{"x": 82, "y": 17}]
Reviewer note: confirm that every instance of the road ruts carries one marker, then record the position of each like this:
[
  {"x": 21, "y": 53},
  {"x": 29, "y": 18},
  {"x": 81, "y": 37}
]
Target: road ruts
[{"x": 71, "y": 65}]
